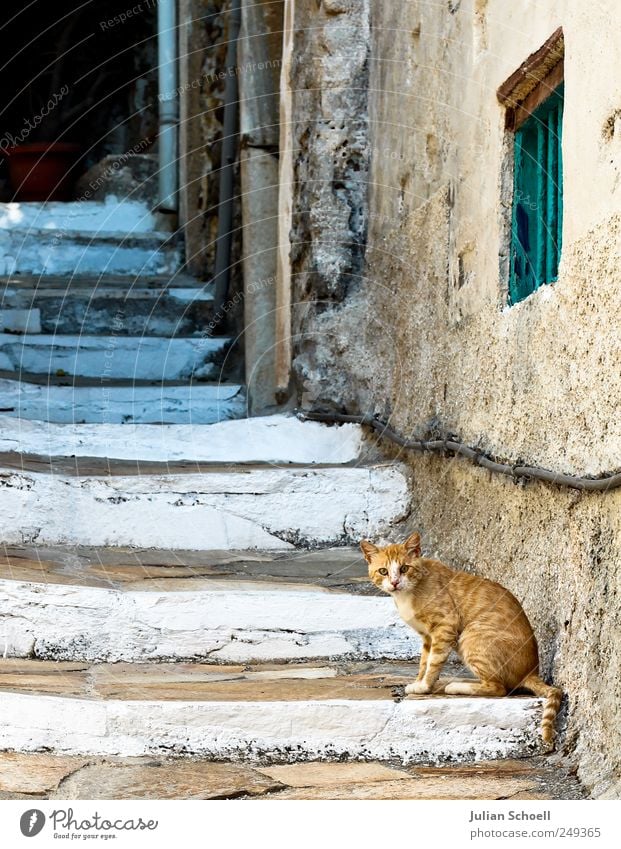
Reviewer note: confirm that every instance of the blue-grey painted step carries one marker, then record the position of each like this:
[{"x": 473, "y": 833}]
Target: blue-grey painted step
[
  {"x": 82, "y": 216},
  {"x": 115, "y": 357},
  {"x": 143, "y": 306},
  {"x": 106, "y": 403},
  {"x": 49, "y": 251}
]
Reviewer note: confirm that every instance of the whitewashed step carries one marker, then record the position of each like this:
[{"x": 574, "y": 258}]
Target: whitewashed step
[
  {"x": 99, "y": 305},
  {"x": 106, "y": 404},
  {"x": 17, "y": 320},
  {"x": 114, "y": 604},
  {"x": 114, "y": 357},
  {"x": 102, "y": 502},
  {"x": 54, "y": 252},
  {"x": 292, "y": 713},
  {"x": 268, "y": 439},
  {"x": 86, "y": 216},
  {"x": 222, "y": 621}
]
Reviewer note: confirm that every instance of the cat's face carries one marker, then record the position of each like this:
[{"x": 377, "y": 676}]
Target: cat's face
[{"x": 391, "y": 568}]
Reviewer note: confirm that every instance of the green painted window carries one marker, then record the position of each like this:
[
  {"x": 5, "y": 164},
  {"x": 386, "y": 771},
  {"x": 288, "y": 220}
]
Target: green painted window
[{"x": 537, "y": 221}]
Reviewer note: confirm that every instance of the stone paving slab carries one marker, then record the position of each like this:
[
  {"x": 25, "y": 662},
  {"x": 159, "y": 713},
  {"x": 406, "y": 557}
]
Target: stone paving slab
[
  {"x": 83, "y": 466},
  {"x": 122, "y": 568},
  {"x": 30, "y": 776},
  {"x": 156, "y": 780},
  {"x": 320, "y": 774},
  {"x": 204, "y": 682},
  {"x": 35, "y": 774},
  {"x": 445, "y": 788}
]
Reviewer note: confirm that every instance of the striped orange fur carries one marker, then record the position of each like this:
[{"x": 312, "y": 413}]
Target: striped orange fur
[{"x": 481, "y": 620}]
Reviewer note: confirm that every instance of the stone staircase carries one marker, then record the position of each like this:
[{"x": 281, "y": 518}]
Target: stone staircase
[
  {"x": 269, "y": 657},
  {"x": 251, "y": 633},
  {"x": 177, "y": 580},
  {"x": 98, "y": 323},
  {"x": 85, "y": 238}
]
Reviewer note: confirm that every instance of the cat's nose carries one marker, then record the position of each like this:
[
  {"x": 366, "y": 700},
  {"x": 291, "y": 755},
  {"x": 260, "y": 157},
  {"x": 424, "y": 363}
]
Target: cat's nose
[{"x": 394, "y": 582}]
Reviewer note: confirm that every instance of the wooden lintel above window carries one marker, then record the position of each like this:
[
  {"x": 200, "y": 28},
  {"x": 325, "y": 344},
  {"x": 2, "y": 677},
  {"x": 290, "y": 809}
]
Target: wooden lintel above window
[
  {"x": 534, "y": 80},
  {"x": 515, "y": 117}
]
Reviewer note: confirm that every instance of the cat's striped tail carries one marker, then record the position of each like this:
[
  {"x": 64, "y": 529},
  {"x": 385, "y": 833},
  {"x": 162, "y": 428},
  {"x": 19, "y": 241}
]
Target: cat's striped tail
[{"x": 552, "y": 696}]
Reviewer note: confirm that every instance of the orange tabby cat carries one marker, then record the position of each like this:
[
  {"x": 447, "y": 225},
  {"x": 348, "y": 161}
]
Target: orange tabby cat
[{"x": 482, "y": 621}]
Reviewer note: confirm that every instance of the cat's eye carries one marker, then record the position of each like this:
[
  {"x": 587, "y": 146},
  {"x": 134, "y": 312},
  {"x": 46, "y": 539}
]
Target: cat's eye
[
  {"x": 383, "y": 571},
  {"x": 403, "y": 570}
]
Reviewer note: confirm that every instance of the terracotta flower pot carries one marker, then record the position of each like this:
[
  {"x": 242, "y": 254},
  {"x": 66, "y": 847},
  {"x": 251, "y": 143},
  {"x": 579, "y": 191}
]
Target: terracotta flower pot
[{"x": 42, "y": 171}]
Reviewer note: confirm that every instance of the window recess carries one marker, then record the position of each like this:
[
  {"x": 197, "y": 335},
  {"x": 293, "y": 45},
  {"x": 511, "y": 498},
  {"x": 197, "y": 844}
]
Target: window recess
[{"x": 534, "y": 99}]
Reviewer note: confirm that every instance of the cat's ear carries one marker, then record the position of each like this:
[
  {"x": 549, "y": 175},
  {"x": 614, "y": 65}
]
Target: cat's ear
[
  {"x": 412, "y": 545},
  {"x": 368, "y": 549}
]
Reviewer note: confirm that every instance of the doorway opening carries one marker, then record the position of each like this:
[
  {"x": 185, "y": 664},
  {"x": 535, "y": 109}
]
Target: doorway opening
[{"x": 82, "y": 78}]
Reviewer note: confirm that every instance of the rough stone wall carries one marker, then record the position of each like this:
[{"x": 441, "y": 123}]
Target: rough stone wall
[
  {"x": 423, "y": 335},
  {"x": 330, "y": 141}
]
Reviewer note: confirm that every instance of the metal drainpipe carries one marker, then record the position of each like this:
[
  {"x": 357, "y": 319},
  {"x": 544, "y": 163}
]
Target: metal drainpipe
[
  {"x": 230, "y": 132},
  {"x": 169, "y": 105}
]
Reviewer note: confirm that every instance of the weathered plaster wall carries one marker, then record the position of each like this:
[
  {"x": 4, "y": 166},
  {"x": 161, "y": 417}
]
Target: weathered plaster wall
[{"x": 422, "y": 333}]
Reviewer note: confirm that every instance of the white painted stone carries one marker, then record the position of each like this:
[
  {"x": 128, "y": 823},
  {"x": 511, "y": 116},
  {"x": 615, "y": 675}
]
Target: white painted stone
[
  {"x": 56, "y": 252},
  {"x": 189, "y": 295},
  {"x": 114, "y": 357},
  {"x": 16, "y": 635},
  {"x": 280, "y": 439},
  {"x": 414, "y": 730},
  {"x": 106, "y": 405},
  {"x": 59, "y": 622},
  {"x": 247, "y": 508},
  {"x": 80, "y": 720},
  {"x": 75, "y": 623},
  {"x": 20, "y": 320},
  {"x": 111, "y": 215}
]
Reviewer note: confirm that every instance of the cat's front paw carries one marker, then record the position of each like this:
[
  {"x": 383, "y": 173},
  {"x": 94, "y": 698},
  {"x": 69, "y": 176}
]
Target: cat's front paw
[{"x": 418, "y": 688}]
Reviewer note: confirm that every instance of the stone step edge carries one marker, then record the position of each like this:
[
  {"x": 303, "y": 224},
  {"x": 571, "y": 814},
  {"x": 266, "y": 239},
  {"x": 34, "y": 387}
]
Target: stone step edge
[
  {"x": 77, "y": 282},
  {"x": 268, "y": 439},
  {"x": 120, "y": 238},
  {"x": 104, "y": 467},
  {"x": 110, "y": 357},
  {"x": 179, "y": 293},
  {"x": 148, "y": 301},
  {"x": 95, "y": 341},
  {"x": 54, "y": 382},
  {"x": 118, "y": 404},
  {"x": 261, "y": 507},
  {"x": 433, "y": 730},
  {"x": 229, "y": 625}
]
